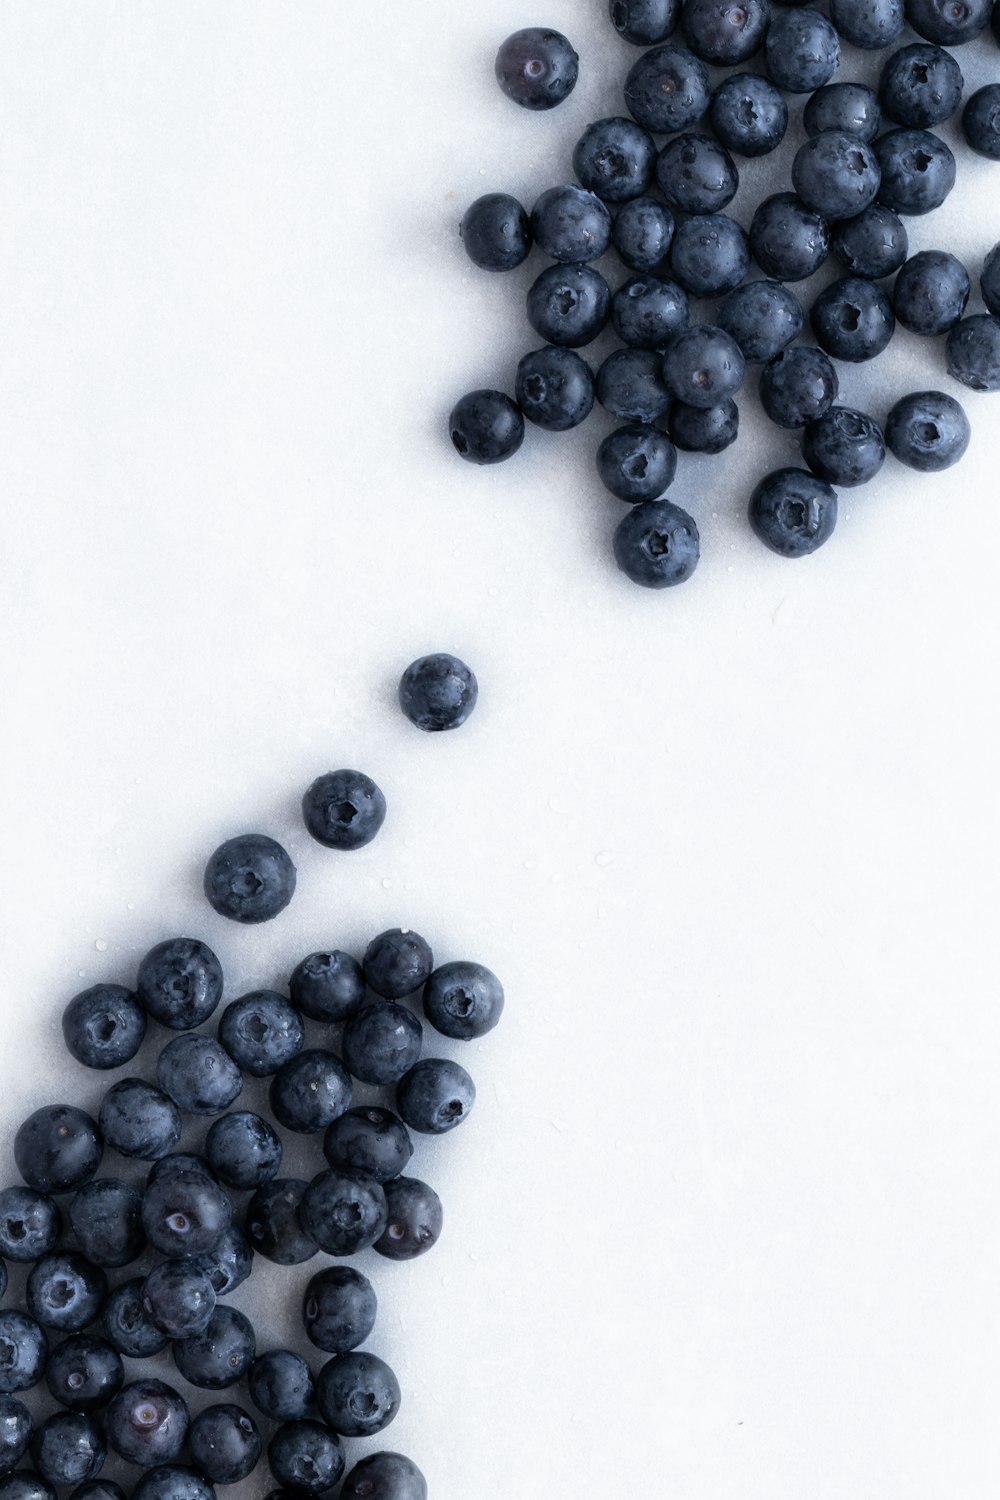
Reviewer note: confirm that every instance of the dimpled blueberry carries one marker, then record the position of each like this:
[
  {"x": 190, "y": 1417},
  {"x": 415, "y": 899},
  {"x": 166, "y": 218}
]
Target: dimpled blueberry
[
  {"x": 463, "y": 1000},
  {"x": 437, "y": 692},
  {"x": 339, "y": 1307},
  {"x": 68, "y": 1448},
  {"x": 921, "y": 85},
  {"x": 749, "y": 115},
  {"x": 872, "y": 24},
  {"x": 397, "y": 962},
  {"x": 272, "y": 1223},
  {"x": 370, "y": 1140},
  {"x": 636, "y": 463},
  {"x": 642, "y": 232},
  {"x": 104, "y": 1026},
  {"x": 571, "y": 225},
  {"x": 656, "y": 545},
  {"x": 343, "y": 809},
  {"x": 704, "y": 429},
  {"x": 568, "y": 306},
  {"x": 848, "y": 107},
  {"x": 486, "y": 427},
  {"x": 147, "y": 1423},
  {"x": 554, "y": 388},
  {"x": 65, "y": 1291},
  {"x": 357, "y": 1394},
  {"x": 385, "y": 1476},
  {"x": 873, "y": 244},
  {"x": 981, "y": 121},
  {"x": 788, "y": 239},
  {"x": 630, "y": 385},
  {"x": 57, "y": 1148},
  {"x": 261, "y": 1032},
  {"x": 614, "y": 158},
  {"x": 229, "y": 1264},
  {"x": 16, "y": 1426},
  {"x": 30, "y": 1224},
  {"x": 173, "y": 1482},
  {"x": 225, "y": 1444},
  {"x": 725, "y": 32},
  {"x": 927, "y": 431},
  {"x": 180, "y": 983},
  {"x": 537, "y": 68},
  {"x": 695, "y": 174},
  {"x": 647, "y": 312},
  {"x": 709, "y": 255},
  {"x": 106, "y": 1217},
  {"x": 139, "y": 1120},
  {"x": 496, "y": 233},
  {"x": 249, "y": 878},
  {"x": 310, "y": 1091},
  {"x": 126, "y": 1325},
  {"x": 185, "y": 1212},
  {"x": 178, "y": 1297},
  {"x": 243, "y": 1150},
  {"x": 328, "y": 987},
  {"x": 23, "y": 1352},
  {"x": 844, "y": 447},
  {"x": 343, "y": 1212},
  {"x": 836, "y": 174},
  {"x": 762, "y": 317},
  {"x": 667, "y": 90},
  {"x": 703, "y": 365},
  {"x": 381, "y": 1042},
  {"x": 918, "y": 171},
  {"x": 415, "y": 1219},
  {"x": 797, "y": 386},
  {"x": 973, "y": 352},
  {"x": 644, "y": 22},
  {"x": 436, "y": 1095},
  {"x": 84, "y": 1373},
  {"x": 306, "y": 1457},
  {"x": 281, "y": 1385},
  {"x": 198, "y": 1074},
  {"x": 853, "y": 319},
  {"x": 220, "y": 1355},
  {"x": 930, "y": 292},
  {"x": 802, "y": 50},
  {"x": 793, "y": 512},
  {"x": 949, "y": 22}
]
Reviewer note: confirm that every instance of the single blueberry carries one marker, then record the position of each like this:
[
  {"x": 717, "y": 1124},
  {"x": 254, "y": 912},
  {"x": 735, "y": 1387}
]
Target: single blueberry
[
  {"x": 147, "y": 1423},
  {"x": 30, "y": 1224},
  {"x": 554, "y": 388},
  {"x": 415, "y": 1219},
  {"x": 703, "y": 366},
  {"x": 630, "y": 385},
  {"x": 343, "y": 1212},
  {"x": 180, "y": 983},
  {"x": 647, "y": 312},
  {"x": 537, "y": 67},
  {"x": 338, "y": 1309},
  {"x": 486, "y": 427},
  {"x": 463, "y": 1000},
  {"x": 749, "y": 115},
  {"x": 436, "y": 1094},
  {"x": 178, "y": 1297},
  {"x": 437, "y": 692},
  {"x": 381, "y": 1042},
  {"x": 871, "y": 24},
  {"x": 261, "y": 1032},
  {"x": 793, "y": 512},
  {"x": 309, "y": 1091},
  {"x": 798, "y": 386},
  {"x": 570, "y": 225},
  {"x": 281, "y": 1385},
  {"x": 853, "y": 319},
  {"x": 927, "y": 430},
  {"x": 225, "y": 1444},
  {"x": 667, "y": 90},
  {"x": 496, "y": 233},
  {"x": 57, "y": 1148},
  {"x": 398, "y": 961},
  {"x": 656, "y": 545},
  {"x": 636, "y": 463},
  {"x": 369, "y": 1140},
  {"x": 851, "y": 108},
  {"x": 65, "y": 1291},
  {"x": 272, "y": 1223},
  {"x": 126, "y": 1326},
  {"x": 644, "y": 22},
  {"x": 357, "y": 1394},
  {"x": 104, "y": 1026},
  {"x": 844, "y": 447},
  {"x": 836, "y": 174},
  {"x": 918, "y": 171},
  {"x": 249, "y": 879},
  {"x": 68, "y": 1448},
  {"x": 198, "y": 1074},
  {"x": 949, "y": 22},
  {"x": 873, "y": 244},
  {"x": 173, "y": 1482},
  {"x": 568, "y": 306},
  {"x": 306, "y": 1457},
  {"x": 24, "y": 1351},
  {"x": 385, "y": 1476},
  {"x": 704, "y": 429},
  {"x": 930, "y": 292},
  {"x": 802, "y": 50},
  {"x": 921, "y": 86},
  {"x": 343, "y": 809},
  {"x": 243, "y": 1150},
  {"x": 84, "y": 1373},
  {"x": 695, "y": 174},
  {"x": 981, "y": 121},
  {"x": 788, "y": 239},
  {"x": 725, "y": 32},
  {"x": 328, "y": 987},
  {"x": 642, "y": 232},
  {"x": 762, "y": 317},
  {"x": 973, "y": 352},
  {"x": 709, "y": 255},
  {"x": 106, "y": 1218},
  {"x": 185, "y": 1212},
  {"x": 615, "y": 158},
  {"x": 221, "y": 1354}
]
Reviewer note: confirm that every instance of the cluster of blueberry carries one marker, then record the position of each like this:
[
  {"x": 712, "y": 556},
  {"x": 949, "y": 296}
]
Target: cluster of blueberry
[
  {"x": 186, "y": 1236},
  {"x": 673, "y": 384}
]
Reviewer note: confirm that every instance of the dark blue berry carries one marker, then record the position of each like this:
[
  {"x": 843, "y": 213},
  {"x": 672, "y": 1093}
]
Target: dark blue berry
[
  {"x": 230, "y": 1263},
  {"x": 973, "y": 352},
  {"x": 647, "y": 312},
  {"x": 704, "y": 429},
  {"x": 930, "y": 292},
  {"x": 463, "y": 1000},
  {"x": 873, "y": 244},
  {"x": 642, "y": 233},
  {"x": 981, "y": 121},
  {"x": 281, "y": 1385},
  {"x": 798, "y": 386},
  {"x": 948, "y": 22},
  {"x": 872, "y": 24},
  {"x": 695, "y": 174},
  {"x": 16, "y": 1427},
  {"x": 918, "y": 171},
  {"x": 147, "y": 1423},
  {"x": 68, "y": 1448},
  {"x": 709, "y": 255},
  {"x": 30, "y": 1224},
  {"x": 385, "y": 1476},
  {"x": 139, "y": 1120},
  {"x": 667, "y": 90},
  {"x": 25, "y": 1485},
  {"x": 178, "y": 1297},
  {"x": 357, "y": 1394},
  {"x": 261, "y": 1032},
  {"x": 802, "y": 50},
  {"x": 338, "y": 1309},
  {"x": 328, "y": 987},
  {"x": 198, "y": 1074},
  {"x": 415, "y": 1219},
  {"x": 272, "y": 1223},
  {"x": 789, "y": 240},
  {"x": 852, "y": 108},
  {"x": 435, "y": 1095},
  {"x": 106, "y": 1218},
  {"x": 748, "y": 114},
  {"x": 630, "y": 385},
  {"x": 249, "y": 878},
  {"x": 221, "y": 1354},
  {"x": 343, "y": 1212},
  {"x": 185, "y": 1212},
  {"x": 656, "y": 545},
  {"x": 99, "y": 1489},
  {"x": 180, "y": 983},
  {"x": 243, "y": 1150},
  {"x": 84, "y": 1373},
  {"x": 126, "y": 1326},
  {"x": 636, "y": 463},
  {"x": 570, "y": 225},
  {"x": 399, "y": 961},
  {"x": 568, "y": 306},
  {"x": 554, "y": 388},
  {"x": 725, "y": 32},
  {"x": 703, "y": 366},
  {"x": 644, "y": 22},
  {"x": 369, "y": 1140},
  {"x": 58, "y": 1148},
  {"x": 173, "y": 1482},
  {"x": 762, "y": 317},
  {"x": 853, "y": 319},
  {"x": 310, "y": 1091},
  {"x": 615, "y": 158},
  {"x": 844, "y": 447},
  {"x": 921, "y": 86},
  {"x": 343, "y": 809},
  {"x": 225, "y": 1444},
  {"x": 306, "y": 1457},
  {"x": 927, "y": 430},
  {"x": 24, "y": 1351},
  {"x": 486, "y": 427},
  {"x": 836, "y": 174},
  {"x": 989, "y": 281},
  {"x": 436, "y": 692},
  {"x": 496, "y": 233},
  {"x": 537, "y": 67},
  {"x": 381, "y": 1042},
  {"x": 793, "y": 512},
  {"x": 65, "y": 1291},
  {"x": 104, "y": 1026}
]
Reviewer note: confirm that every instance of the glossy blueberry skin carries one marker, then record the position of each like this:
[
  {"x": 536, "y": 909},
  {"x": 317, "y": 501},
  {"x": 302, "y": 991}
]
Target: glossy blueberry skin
[
  {"x": 272, "y": 1223},
  {"x": 570, "y": 225},
  {"x": 30, "y": 1224},
  {"x": 789, "y": 240},
  {"x": 435, "y": 1095},
  {"x": 709, "y": 255},
  {"x": 24, "y": 1351},
  {"x": 198, "y": 1074},
  {"x": 762, "y": 317},
  {"x": 704, "y": 429},
  {"x": 68, "y": 1448},
  {"x": 486, "y": 427},
  {"x": 989, "y": 281},
  {"x": 614, "y": 158},
  {"x": 630, "y": 386},
  {"x": 644, "y": 22},
  {"x": 65, "y": 1292},
  {"x": 16, "y": 1427},
  {"x": 845, "y": 447},
  {"x": 139, "y": 1120},
  {"x": 230, "y": 1263},
  {"x": 496, "y": 233},
  {"x": 225, "y": 1444},
  {"x": 104, "y": 1026},
  {"x": 647, "y": 312},
  {"x": 798, "y": 386},
  {"x": 106, "y": 1218},
  {"x": 368, "y": 1140},
  {"x": 749, "y": 114},
  {"x": 724, "y": 33},
  {"x": 793, "y": 512},
  {"x": 927, "y": 431},
  {"x": 853, "y": 319},
  {"x": 871, "y": 24},
  {"x": 415, "y": 1219},
  {"x": 310, "y": 1091},
  {"x": 173, "y": 1482},
  {"x": 703, "y": 366},
  {"x": 180, "y": 983},
  {"x": 357, "y": 1394},
  {"x": 126, "y": 1326},
  {"x": 537, "y": 68},
  {"x": 851, "y": 108},
  {"x": 463, "y": 1000},
  {"x": 147, "y": 1423},
  {"x": 568, "y": 306},
  {"x": 339, "y": 1307},
  {"x": 281, "y": 1385},
  {"x": 343, "y": 809},
  {"x": 328, "y": 987},
  {"x": 261, "y": 1032},
  {"x": 243, "y": 1150},
  {"x": 99, "y": 1489},
  {"x": 836, "y": 174},
  {"x": 436, "y": 693},
  {"x": 306, "y": 1457},
  {"x": 220, "y": 1355},
  {"x": 178, "y": 1297},
  {"x": 636, "y": 463},
  {"x": 58, "y": 1148},
  {"x": 921, "y": 86},
  {"x": 397, "y": 962},
  {"x": 918, "y": 171},
  {"x": 249, "y": 879},
  {"x": 381, "y": 1042},
  {"x": 947, "y": 23},
  {"x": 656, "y": 545},
  {"x": 343, "y": 1212},
  {"x": 873, "y": 244},
  {"x": 554, "y": 388},
  {"x": 802, "y": 50},
  {"x": 25, "y": 1485},
  {"x": 642, "y": 234},
  {"x": 84, "y": 1373},
  {"x": 667, "y": 90},
  {"x": 981, "y": 121},
  {"x": 695, "y": 174},
  {"x": 930, "y": 292},
  {"x": 973, "y": 352},
  {"x": 385, "y": 1476},
  {"x": 185, "y": 1212}
]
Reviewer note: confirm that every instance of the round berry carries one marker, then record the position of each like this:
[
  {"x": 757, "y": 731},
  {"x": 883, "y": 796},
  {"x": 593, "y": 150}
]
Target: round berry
[
  {"x": 928, "y": 431},
  {"x": 243, "y": 1150},
  {"x": 309, "y": 1091},
  {"x": 642, "y": 233},
  {"x": 338, "y": 1309},
  {"x": 57, "y": 1148},
  {"x": 836, "y": 174},
  {"x": 571, "y": 225},
  {"x": 486, "y": 427},
  {"x": 272, "y": 1223},
  {"x": 921, "y": 86},
  {"x": 973, "y": 352},
  {"x": 415, "y": 1219},
  {"x": 368, "y": 1140},
  {"x": 644, "y": 22},
  {"x": 853, "y": 319},
  {"x": 788, "y": 239},
  {"x": 104, "y": 1026},
  {"x": 250, "y": 878},
  {"x": 568, "y": 306},
  {"x": 343, "y": 1212},
  {"x": 656, "y": 545},
  {"x": 198, "y": 1074},
  {"x": 949, "y": 22},
  {"x": 554, "y": 388},
  {"x": 647, "y": 312},
  {"x": 147, "y": 1423},
  {"x": 178, "y": 1297},
  {"x": 872, "y": 24},
  {"x": 615, "y": 159},
  {"x": 709, "y": 255},
  {"x": 873, "y": 244},
  {"x": 381, "y": 1042},
  {"x": 180, "y": 983},
  {"x": 398, "y": 961},
  {"x": 225, "y": 1444},
  {"x": 306, "y": 1457},
  {"x": 667, "y": 90},
  {"x": 851, "y": 108},
  {"x": 695, "y": 174},
  {"x": 798, "y": 386},
  {"x": 343, "y": 809},
  {"x": 24, "y": 1352},
  {"x": 930, "y": 292},
  {"x": 704, "y": 429},
  {"x": 537, "y": 68},
  {"x": 496, "y": 233},
  {"x": 261, "y": 1032},
  {"x": 106, "y": 1218},
  {"x": 749, "y": 114},
  {"x": 802, "y": 50},
  {"x": 281, "y": 1385},
  {"x": 328, "y": 987},
  {"x": 981, "y": 121},
  {"x": 703, "y": 366},
  {"x": 793, "y": 512},
  {"x": 221, "y": 1354},
  {"x": 385, "y": 1476},
  {"x": 630, "y": 385},
  {"x": 30, "y": 1224},
  {"x": 844, "y": 447},
  {"x": 762, "y": 317},
  {"x": 463, "y": 1000},
  {"x": 918, "y": 171},
  {"x": 357, "y": 1394},
  {"x": 636, "y": 463},
  {"x": 435, "y": 693}
]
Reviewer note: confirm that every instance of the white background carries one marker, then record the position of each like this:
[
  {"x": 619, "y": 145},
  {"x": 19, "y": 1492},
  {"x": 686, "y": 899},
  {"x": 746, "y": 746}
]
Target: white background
[{"x": 726, "y": 1219}]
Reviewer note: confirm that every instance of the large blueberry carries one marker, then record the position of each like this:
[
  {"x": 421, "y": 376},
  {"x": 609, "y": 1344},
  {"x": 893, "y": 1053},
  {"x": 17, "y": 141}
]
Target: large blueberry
[
  {"x": 106, "y": 1217},
  {"x": 797, "y": 386},
  {"x": 381, "y": 1042},
  {"x": 436, "y": 1095},
  {"x": 463, "y": 1000},
  {"x": 309, "y": 1091},
  {"x": 802, "y": 50},
  {"x": 244, "y": 1150},
  {"x": 30, "y": 1224},
  {"x": 385, "y": 1476},
  {"x": 104, "y": 1026},
  {"x": 642, "y": 232},
  {"x": 369, "y": 1140},
  {"x": 793, "y": 512},
  {"x": 852, "y": 108},
  {"x": 853, "y": 319},
  {"x": 23, "y": 1352},
  {"x": 357, "y": 1394},
  {"x": 762, "y": 317},
  {"x": 749, "y": 114},
  {"x": 568, "y": 306},
  {"x": 261, "y": 1032},
  {"x": 415, "y": 1219},
  {"x": 57, "y": 1148},
  {"x": 225, "y": 1444},
  {"x": 614, "y": 158},
  {"x": 65, "y": 1291},
  {"x": 221, "y": 1354},
  {"x": 667, "y": 90},
  {"x": 709, "y": 255},
  {"x": 644, "y": 22},
  {"x": 789, "y": 240},
  {"x": 927, "y": 430},
  {"x": 438, "y": 692},
  {"x": 180, "y": 983},
  {"x": 185, "y": 1212},
  {"x": 84, "y": 1373},
  {"x": 636, "y": 462},
  {"x": 343, "y": 809},
  {"x": 570, "y": 225},
  {"x": 647, "y": 312},
  {"x": 496, "y": 233},
  {"x": 656, "y": 545},
  {"x": 486, "y": 427},
  {"x": 537, "y": 67},
  {"x": 836, "y": 174},
  {"x": 249, "y": 878},
  {"x": 973, "y": 352},
  {"x": 147, "y": 1423},
  {"x": 930, "y": 292},
  {"x": 871, "y": 24},
  {"x": 198, "y": 1074},
  {"x": 630, "y": 385},
  {"x": 918, "y": 171},
  {"x": 281, "y": 1385},
  {"x": 921, "y": 86},
  {"x": 272, "y": 1223},
  {"x": 397, "y": 962},
  {"x": 338, "y": 1309},
  {"x": 554, "y": 388},
  {"x": 343, "y": 1212},
  {"x": 306, "y": 1457},
  {"x": 328, "y": 987},
  {"x": 873, "y": 244},
  {"x": 844, "y": 446}
]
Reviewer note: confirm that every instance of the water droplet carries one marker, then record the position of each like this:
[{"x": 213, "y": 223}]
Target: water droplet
[
  {"x": 604, "y": 857},
  {"x": 386, "y": 883},
  {"x": 101, "y": 946},
  {"x": 130, "y": 906}
]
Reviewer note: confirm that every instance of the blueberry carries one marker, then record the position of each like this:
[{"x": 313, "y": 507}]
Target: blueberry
[
  {"x": 16, "y": 1427},
  {"x": 173, "y": 1482},
  {"x": 415, "y": 1219},
  {"x": 568, "y": 306},
  {"x": 272, "y": 1223},
  {"x": 872, "y": 24},
  {"x": 930, "y": 292},
  {"x": 973, "y": 352},
  {"x": 642, "y": 232},
  {"x": 381, "y": 1042},
  {"x": 704, "y": 429},
  {"x": 798, "y": 386},
  {"x": 30, "y": 1224},
  {"x": 836, "y": 174},
  {"x": 178, "y": 1297},
  {"x": 989, "y": 281},
  {"x": 537, "y": 68},
  {"x": 630, "y": 385},
  {"x": 918, "y": 171},
  {"x": 554, "y": 388},
  {"x": 198, "y": 1074},
  {"x": 636, "y": 463},
  {"x": 844, "y": 446},
  {"x": 310, "y": 1091},
  {"x": 667, "y": 90},
  {"x": 385, "y": 1476},
  {"x": 762, "y": 317},
  {"x": 725, "y": 32},
  {"x": 793, "y": 512},
  {"x": 343, "y": 809},
  {"x": 99, "y": 1489},
  {"x": 338, "y": 1309},
  {"x": 656, "y": 545},
  {"x": 180, "y": 983},
  {"x": 463, "y": 1000},
  {"x": 981, "y": 121},
  {"x": 106, "y": 1218},
  {"x": 570, "y": 225},
  {"x": 436, "y": 692},
  {"x": 948, "y": 22},
  {"x": 647, "y": 312},
  {"x": 436, "y": 1094},
  {"x": 873, "y": 244},
  {"x": 789, "y": 240},
  {"x": 486, "y": 427},
  {"x": 328, "y": 987},
  {"x": 125, "y": 1325},
  {"x": 853, "y": 319},
  {"x": 802, "y": 50},
  {"x": 748, "y": 114},
  {"x": 65, "y": 1291},
  {"x": 225, "y": 1444},
  {"x": 221, "y": 1354},
  {"x": 703, "y": 366},
  {"x": 357, "y": 1394},
  {"x": 3, "y": 1280},
  {"x": 852, "y": 108},
  {"x": 104, "y": 1026},
  {"x": 84, "y": 1373},
  {"x": 644, "y": 22},
  {"x": 68, "y": 1448},
  {"x": 243, "y": 1150},
  {"x": 57, "y": 1148},
  {"x": 23, "y": 1352},
  {"x": 398, "y": 961},
  {"x": 281, "y": 1385},
  {"x": 25, "y": 1485},
  {"x": 229, "y": 1264},
  {"x": 369, "y": 1140},
  {"x": 615, "y": 158},
  {"x": 921, "y": 86},
  {"x": 343, "y": 1212},
  {"x": 147, "y": 1423},
  {"x": 261, "y": 1032},
  {"x": 496, "y": 233},
  {"x": 185, "y": 1212},
  {"x": 709, "y": 255},
  {"x": 306, "y": 1457},
  {"x": 695, "y": 174},
  {"x": 249, "y": 878}
]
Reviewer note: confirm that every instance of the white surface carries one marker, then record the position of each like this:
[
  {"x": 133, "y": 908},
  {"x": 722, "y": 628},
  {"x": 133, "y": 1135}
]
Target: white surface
[{"x": 725, "y": 1222}]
